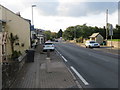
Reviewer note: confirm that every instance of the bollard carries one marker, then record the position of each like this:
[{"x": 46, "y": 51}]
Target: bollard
[
  {"x": 48, "y": 53},
  {"x": 48, "y": 62}
]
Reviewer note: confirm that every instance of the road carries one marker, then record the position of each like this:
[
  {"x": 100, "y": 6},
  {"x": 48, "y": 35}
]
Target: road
[{"x": 97, "y": 69}]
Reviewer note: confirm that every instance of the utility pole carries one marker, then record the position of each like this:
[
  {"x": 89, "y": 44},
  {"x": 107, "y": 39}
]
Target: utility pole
[
  {"x": 32, "y": 14},
  {"x": 106, "y": 24},
  {"x": 74, "y": 35}
]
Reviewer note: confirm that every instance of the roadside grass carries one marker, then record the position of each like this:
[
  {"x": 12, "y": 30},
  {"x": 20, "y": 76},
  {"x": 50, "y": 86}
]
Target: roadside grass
[{"x": 114, "y": 40}]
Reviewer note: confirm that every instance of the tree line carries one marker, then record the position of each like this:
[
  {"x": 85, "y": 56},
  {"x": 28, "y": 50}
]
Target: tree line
[{"x": 82, "y": 31}]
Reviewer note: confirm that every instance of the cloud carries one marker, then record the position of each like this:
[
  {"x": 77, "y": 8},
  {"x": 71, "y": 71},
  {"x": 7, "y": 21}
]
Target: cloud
[
  {"x": 78, "y": 9},
  {"x": 53, "y": 15},
  {"x": 55, "y": 23},
  {"x": 48, "y": 8},
  {"x": 73, "y": 8}
]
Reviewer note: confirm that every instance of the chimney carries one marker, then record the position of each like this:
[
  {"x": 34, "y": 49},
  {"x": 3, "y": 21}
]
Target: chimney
[{"x": 18, "y": 13}]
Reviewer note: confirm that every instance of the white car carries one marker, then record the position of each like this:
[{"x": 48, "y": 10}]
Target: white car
[
  {"x": 91, "y": 44},
  {"x": 48, "y": 46}
]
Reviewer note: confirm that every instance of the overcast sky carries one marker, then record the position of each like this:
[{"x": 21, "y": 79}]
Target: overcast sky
[{"x": 59, "y": 14}]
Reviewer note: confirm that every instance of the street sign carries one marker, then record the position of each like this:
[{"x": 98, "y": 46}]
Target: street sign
[{"x": 110, "y": 30}]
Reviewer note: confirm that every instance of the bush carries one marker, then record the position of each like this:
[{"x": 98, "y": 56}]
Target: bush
[
  {"x": 15, "y": 55},
  {"x": 79, "y": 40}
]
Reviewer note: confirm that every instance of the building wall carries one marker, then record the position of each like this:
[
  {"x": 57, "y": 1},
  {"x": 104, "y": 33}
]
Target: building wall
[
  {"x": 0, "y": 46},
  {"x": 18, "y": 26},
  {"x": 99, "y": 39},
  {"x": 0, "y": 12}
]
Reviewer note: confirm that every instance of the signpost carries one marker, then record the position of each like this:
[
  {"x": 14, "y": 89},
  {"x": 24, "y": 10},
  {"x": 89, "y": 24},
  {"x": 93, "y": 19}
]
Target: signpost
[{"x": 111, "y": 32}]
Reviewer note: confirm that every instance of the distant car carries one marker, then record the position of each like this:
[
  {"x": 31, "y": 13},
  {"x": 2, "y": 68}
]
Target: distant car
[
  {"x": 92, "y": 44},
  {"x": 56, "y": 40},
  {"x": 48, "y": 46}
]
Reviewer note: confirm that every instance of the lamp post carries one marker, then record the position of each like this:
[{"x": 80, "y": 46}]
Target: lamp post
[{"x": 32, "y": 14}]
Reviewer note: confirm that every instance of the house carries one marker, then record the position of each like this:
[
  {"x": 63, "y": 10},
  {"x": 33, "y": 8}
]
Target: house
[
  {"x": 97, "y": 37},
  {"x": 13, "y": 26},
  {"x": 40, "y": 35}
]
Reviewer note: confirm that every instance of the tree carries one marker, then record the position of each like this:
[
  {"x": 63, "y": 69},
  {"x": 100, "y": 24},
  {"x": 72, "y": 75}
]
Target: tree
[
  {"x": 48, "y": 35},
  {"x": 59, "y": 34},
  {"x": 69, "y": 33},
  {"x": 83, "y": 31}
]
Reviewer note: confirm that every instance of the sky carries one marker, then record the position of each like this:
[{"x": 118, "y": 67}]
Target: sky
[{"x": 59, "y": 14}]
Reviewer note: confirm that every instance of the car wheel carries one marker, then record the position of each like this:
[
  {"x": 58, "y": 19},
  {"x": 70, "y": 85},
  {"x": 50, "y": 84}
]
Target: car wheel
[{"x": 89, "y": 46}]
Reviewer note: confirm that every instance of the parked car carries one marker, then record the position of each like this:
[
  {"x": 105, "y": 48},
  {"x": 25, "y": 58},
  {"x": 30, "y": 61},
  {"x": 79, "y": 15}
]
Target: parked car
[
  {"x": 92, "y": 44},
  {"x": 48, "y": 46}
]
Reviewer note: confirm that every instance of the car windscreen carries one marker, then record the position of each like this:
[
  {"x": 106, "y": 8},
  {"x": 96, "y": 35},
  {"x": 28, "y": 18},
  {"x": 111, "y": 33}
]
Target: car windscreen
[
  {"x": 92, "y": 42},
  {"x": 48, "y": 44}
]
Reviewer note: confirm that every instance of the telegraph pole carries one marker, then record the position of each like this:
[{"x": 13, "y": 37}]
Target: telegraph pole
[{"x": 106, "y": 24}]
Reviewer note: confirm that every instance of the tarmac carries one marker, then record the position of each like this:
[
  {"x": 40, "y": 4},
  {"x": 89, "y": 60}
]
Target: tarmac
[
  {"x": 45, "y": 72},
  {"x": 104, "y": 48}
]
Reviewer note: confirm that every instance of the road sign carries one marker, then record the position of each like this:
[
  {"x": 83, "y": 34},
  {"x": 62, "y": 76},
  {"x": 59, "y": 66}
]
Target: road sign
[{"x": 110, "y": 30}]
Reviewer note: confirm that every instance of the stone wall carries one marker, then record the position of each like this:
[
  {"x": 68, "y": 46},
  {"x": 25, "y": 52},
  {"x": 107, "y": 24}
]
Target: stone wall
[
  {"x": 10, "y": 71},
  {"x": 115, "y": 44}
]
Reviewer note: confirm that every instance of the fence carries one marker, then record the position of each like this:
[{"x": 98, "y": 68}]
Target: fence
[{"x": 10, "y": 71}]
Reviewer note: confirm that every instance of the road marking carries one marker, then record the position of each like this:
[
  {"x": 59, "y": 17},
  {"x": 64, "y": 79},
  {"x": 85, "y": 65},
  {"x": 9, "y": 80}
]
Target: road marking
[
  {"x": 83, "y": 80},
  {"x": 64, "y": 59},
  {"x": 57, "y": 51},
  {"x": 61, "y": 56}
]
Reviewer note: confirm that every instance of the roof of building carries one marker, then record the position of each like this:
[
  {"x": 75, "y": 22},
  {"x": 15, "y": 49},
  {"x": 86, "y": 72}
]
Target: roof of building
[
  {"x": 94, "y": 35},
  {"x": 17, "y": 14}
]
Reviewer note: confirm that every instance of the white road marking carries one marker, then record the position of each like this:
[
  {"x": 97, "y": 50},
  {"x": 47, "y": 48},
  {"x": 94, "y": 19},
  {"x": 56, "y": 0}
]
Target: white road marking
[
  {"x": 64, "y": 59},
  {"x": 57, "y": 51},
  {"x": 61, "y": 56},
  {"x": 83, "y": 80}
]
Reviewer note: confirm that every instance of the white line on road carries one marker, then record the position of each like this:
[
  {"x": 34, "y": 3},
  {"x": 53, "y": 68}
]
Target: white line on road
[
  {"x": 57, "y": 51},
  {"x": 64, "y": 59},
  {"x": 83, "y": 80},
  {"x": 61, "y": 55}
]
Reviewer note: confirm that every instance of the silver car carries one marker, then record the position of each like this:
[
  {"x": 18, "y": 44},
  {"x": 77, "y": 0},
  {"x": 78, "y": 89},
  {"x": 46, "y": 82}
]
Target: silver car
[{"x": 48, "y": 46}]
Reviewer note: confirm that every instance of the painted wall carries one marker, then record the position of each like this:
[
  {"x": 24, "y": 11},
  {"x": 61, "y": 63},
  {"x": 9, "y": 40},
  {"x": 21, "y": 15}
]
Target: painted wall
[{"x": 18, "y": 26}]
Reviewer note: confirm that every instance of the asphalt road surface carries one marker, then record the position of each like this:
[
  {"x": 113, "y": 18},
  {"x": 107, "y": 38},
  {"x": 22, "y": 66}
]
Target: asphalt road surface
[{"x": 93, "y": 69}]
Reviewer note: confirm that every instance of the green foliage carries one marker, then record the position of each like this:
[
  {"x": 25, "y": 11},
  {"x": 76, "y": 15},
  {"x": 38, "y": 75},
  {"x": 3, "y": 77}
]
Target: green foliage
[
  {"x": 85, "y": 31},
  {"x": 59, "y": 34},
  {"x": 69, "y": 33},
  {"x": 47, "y": 34},
  {"x": 114, "y": 40},
  {"x": 15, "y": 55},
  {"x": 50, "y": 35},
  {"x": 79, "y": 40}
]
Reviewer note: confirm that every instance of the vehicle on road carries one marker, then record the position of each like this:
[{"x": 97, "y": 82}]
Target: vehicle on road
[
  {"x": 91, "y": 44},
  {"x": 48, "y": 46}
]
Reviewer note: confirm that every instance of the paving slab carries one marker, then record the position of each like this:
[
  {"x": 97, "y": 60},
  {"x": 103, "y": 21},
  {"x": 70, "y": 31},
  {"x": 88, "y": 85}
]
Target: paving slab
[{"x": 44, "y": 73}]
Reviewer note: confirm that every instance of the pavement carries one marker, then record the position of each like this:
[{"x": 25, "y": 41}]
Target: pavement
[{"x": 45, "y": 72}]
